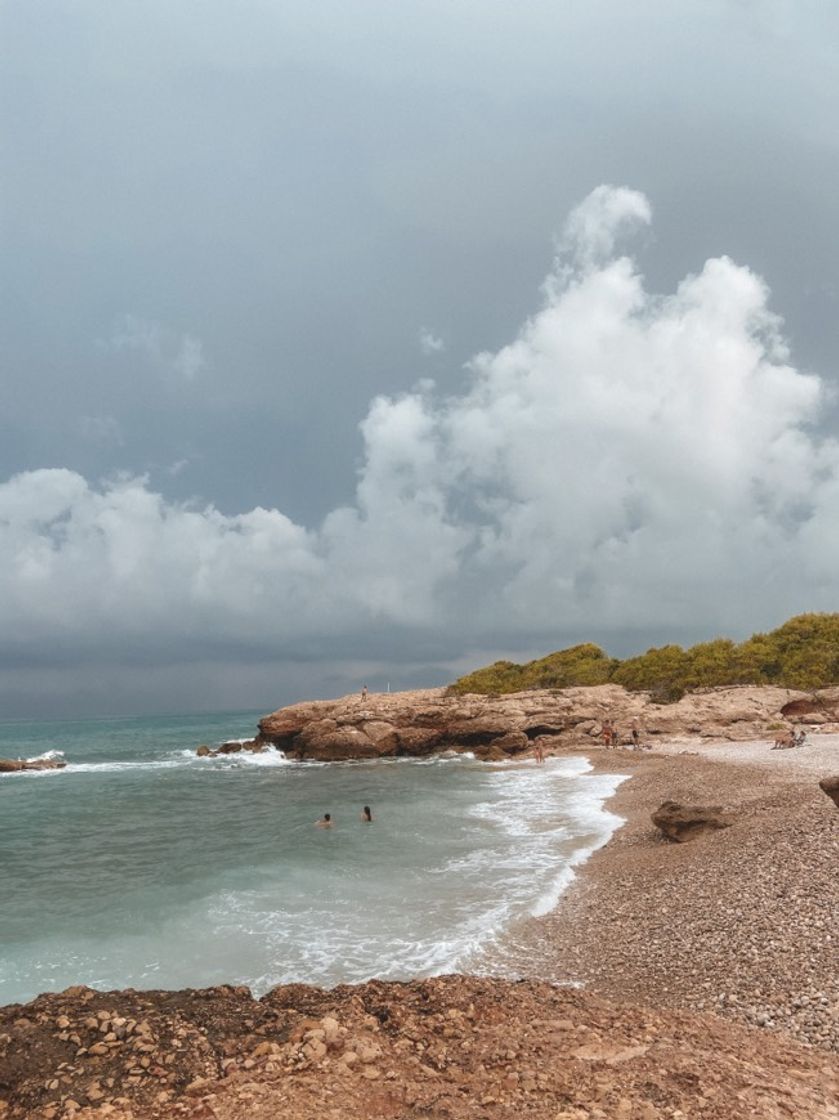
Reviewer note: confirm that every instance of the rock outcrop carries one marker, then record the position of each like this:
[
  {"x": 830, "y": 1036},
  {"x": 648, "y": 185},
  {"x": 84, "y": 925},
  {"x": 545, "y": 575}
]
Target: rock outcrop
[
  {"x": 14, "y": 766},
  {"x": 831, "y": 788},
  {"x": 235, "y": 746},
  {"x": 418, "y": 723},
  {"x": 454, "y": 1047},
  {"x": 686, "y": 822}
]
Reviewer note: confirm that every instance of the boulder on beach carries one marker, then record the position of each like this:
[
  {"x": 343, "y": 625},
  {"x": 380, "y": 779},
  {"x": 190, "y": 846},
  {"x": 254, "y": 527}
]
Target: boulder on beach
[
  {"x": 831, "y": 788},
  {"x": 685, "y": 822}
]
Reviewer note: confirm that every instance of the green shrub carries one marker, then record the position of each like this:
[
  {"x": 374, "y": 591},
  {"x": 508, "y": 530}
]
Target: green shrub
[{"x": 802, "y": 654}]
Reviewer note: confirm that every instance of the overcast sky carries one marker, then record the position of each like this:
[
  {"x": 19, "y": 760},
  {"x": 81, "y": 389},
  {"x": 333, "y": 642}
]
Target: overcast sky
[{"x": 364, "y": 341}]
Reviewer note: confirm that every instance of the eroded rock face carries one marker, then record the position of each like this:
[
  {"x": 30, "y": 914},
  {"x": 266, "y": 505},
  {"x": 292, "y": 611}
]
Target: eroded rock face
[
  {"x": 12, "y": 766},
  {"x": 686, "y": 822},
  {"x": 831, "y": 788},
  {"x": 418, "y": 723}
]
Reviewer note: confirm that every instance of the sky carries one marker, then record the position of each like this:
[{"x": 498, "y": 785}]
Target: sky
[{"x": 366, "y": 342}]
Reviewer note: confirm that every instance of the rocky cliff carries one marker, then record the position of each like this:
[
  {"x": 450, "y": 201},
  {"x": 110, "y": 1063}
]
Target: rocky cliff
[{"x": 421, "y": 722}]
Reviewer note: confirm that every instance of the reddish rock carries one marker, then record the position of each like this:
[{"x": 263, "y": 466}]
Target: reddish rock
[
  {"x": 685, "y": 822},
  {"x": 13, "y": 766},
  {"x": 831, "y": 788},
  {"x": 514, "y": 742},
  {"x": 492, "y": 753},
  {"x": 418, "y": 740},
  {"x": 419, "y": 722},
  {"x": 383, "y": 734},
  {"x": 326, "y": 741}
]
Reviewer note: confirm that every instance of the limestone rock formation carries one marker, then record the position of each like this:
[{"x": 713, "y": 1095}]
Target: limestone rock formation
[
  {"x": 13, "y": 766},
  {"x": 685, "y": 822},
  {"x": 420, "y": 722},
  {"x": 831, "y": 788}
]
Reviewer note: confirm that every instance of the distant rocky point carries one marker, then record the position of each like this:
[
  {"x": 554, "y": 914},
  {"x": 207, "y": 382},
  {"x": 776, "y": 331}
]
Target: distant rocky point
[
  {"x": 387, "y": 725},
  {"x": 14, "y": 766}
]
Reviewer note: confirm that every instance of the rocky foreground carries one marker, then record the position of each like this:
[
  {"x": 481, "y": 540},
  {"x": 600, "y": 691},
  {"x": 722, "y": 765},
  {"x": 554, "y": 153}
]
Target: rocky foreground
[
  {"x": 453, "y": 1047},
  {"x": 418, "y": 723}
]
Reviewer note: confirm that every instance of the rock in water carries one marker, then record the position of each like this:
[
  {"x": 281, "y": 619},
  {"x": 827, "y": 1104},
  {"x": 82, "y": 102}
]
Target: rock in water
[
  {"x": 12, "y": 766},
  {"x": 831, "y": 788},
  {"x": 684, "y": 822}
]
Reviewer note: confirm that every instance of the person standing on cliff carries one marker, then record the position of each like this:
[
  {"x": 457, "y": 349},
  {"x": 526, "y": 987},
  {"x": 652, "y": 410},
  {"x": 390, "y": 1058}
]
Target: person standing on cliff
[{"x": 364, "y": 692}]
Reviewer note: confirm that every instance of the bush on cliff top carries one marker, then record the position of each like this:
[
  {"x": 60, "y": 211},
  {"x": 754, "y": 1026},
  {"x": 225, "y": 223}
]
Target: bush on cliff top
[{"x": 802, "y": 654}]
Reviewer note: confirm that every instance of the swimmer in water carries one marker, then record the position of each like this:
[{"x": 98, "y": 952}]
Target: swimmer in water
[
  {"x": 325, "y": 821},
  {"x": 366, "y": 815}
]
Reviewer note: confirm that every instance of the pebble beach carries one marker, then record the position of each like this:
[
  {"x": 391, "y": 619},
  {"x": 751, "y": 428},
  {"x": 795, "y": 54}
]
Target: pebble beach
[{"x": 743, "y": 922}]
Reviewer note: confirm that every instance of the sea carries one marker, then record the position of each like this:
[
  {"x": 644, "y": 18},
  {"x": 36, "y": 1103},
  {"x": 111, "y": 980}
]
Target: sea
[{"x": 141, "y": 865}]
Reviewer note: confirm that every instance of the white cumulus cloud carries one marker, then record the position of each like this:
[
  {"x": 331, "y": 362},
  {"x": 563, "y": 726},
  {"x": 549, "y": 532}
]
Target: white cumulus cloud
[{"x": 631, "y": 460}]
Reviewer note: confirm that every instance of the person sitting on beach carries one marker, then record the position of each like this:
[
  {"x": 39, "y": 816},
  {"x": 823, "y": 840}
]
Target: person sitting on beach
[
  {"x": 366, "y": 815},
  {"x": 325, "y": 821}
]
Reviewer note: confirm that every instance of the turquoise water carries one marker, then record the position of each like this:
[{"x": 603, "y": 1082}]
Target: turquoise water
[{"x": 141, "y": 865}]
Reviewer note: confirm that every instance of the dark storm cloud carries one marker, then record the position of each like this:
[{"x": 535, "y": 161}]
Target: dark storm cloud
[{"x": 228, "y": 228}]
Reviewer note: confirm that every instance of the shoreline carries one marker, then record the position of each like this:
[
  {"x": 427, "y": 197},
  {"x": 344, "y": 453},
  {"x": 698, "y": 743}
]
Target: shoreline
[
  {"x": 743, "y": 922},
  {"x": 654, "y": 932}
]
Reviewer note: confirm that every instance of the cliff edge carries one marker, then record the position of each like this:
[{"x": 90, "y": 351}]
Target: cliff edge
[{"x": 495, "y": 727}]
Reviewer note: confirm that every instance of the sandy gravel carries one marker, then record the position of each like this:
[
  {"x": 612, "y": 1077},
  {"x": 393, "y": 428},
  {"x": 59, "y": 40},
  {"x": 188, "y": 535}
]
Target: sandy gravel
[
  {"x": 743, "y": 922},
  {"x": 819, "y": 756}
]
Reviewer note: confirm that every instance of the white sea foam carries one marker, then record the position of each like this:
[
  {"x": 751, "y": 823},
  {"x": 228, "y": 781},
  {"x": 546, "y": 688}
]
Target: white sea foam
[
  {"x": 537, "y": 825},
  {"x": 48, "y": 756},
  {"x": 454, "y": 863}
]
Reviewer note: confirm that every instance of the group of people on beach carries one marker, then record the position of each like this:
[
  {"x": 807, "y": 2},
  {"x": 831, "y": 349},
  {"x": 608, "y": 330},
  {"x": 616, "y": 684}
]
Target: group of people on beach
[
  {"x": 790, "y": 739},
  {"x": 327, "y": 822},
  {"x": 611, "y": 738}
]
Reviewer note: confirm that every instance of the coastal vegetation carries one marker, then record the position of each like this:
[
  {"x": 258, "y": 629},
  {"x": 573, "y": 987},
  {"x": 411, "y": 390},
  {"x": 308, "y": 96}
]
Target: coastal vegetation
[{"x": 801, "y": 654}]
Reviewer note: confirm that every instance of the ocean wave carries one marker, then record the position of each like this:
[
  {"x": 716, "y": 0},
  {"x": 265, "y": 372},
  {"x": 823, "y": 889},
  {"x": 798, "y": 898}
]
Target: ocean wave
[{"x": 48, "y": 756}]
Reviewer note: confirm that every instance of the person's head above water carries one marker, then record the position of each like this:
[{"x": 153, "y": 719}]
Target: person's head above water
[
  {"x": 366, "y": 815},
  {"x": 325, "y": 821}
]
